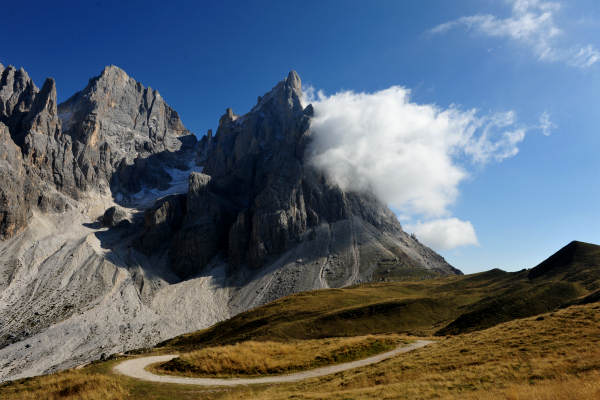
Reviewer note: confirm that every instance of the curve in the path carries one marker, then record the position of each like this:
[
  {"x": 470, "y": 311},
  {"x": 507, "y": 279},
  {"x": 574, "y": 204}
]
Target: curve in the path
[{"x": 136, "y": 369}]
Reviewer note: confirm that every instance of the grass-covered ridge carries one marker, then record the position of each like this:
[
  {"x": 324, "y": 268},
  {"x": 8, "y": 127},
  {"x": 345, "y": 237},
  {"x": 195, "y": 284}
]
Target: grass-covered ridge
[
  {"x": 272, "y": 358},
  {"x": 442, "y": 306},
  {"x": 554, "y": 356},
  {"x": 538, "y": 357}
]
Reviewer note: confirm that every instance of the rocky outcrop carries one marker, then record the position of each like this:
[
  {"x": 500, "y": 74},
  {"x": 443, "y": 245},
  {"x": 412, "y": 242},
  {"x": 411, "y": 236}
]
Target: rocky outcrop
[
  {"x": 13, "y": 214},
  {"x": 47, "y": 151},
  {"x": 115, "y": 216},
  {"x": 17, "y": 93},
  {"x": 37, "y": 158},
  {"x": 203, "y": 233},
  {"x": 160, "y": 222},
  {"x": 116, "y": 120}
]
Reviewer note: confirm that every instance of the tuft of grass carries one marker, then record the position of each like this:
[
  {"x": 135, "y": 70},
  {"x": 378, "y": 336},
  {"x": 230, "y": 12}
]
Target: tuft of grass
[
  {"x": 253, "y": 358},
  {"x": 68, "y": 385}
]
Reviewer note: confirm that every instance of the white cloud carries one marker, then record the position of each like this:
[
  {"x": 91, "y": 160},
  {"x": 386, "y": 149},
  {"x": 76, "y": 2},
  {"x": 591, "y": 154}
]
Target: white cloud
[
  {"x": 532, "y": 23},
  {"x": 444, "y": 234},
  {"x": 412, "y": 156},
  {"x": 584, "y": 57},
  {"x": 546, "y": 125}
]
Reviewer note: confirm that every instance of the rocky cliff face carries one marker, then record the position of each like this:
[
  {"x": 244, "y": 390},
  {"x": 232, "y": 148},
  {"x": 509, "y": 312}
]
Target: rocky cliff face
[
  {"x": 259, "y": 198},
  {"x": 119, "y": 229},
  {"x": 115, "y": 121},
  {"x": 38, "y": 161},
  {"x": 17, "y": 92}
]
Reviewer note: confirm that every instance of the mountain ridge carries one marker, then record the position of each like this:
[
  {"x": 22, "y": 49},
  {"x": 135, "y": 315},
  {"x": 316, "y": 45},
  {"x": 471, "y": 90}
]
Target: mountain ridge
[{"x": 121, "y": 229}]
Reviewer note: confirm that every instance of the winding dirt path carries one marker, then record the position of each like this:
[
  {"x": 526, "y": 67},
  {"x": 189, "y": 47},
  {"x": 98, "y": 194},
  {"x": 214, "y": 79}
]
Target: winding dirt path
[{"x": 135, "y": 369}]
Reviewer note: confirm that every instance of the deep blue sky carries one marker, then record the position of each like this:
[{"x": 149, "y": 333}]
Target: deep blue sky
[{"x": 206, "y": 56}]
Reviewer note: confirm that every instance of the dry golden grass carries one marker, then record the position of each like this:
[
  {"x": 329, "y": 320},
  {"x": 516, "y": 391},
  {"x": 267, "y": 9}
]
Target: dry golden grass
[
  {"x": 69, "y": 385},
  {"x": 555, "y": 356},
  {"x": 552, "y": 357},
  {"x": 561, "y": 388},
  {"x": 263, "y": 358}
]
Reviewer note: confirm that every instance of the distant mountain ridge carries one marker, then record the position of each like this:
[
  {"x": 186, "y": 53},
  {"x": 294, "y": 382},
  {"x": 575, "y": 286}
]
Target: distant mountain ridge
[
  {"x": 445, "y": 306},
  {"x": 120, "y": 229}
]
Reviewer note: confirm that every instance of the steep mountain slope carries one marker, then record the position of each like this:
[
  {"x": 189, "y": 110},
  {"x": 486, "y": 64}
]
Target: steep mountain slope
[
  {"x": 120, "y": 229},
  {"x": 444, "y": 306},
  {"x": 117, "y": 124},
  {"x": 260, "y": 203}
]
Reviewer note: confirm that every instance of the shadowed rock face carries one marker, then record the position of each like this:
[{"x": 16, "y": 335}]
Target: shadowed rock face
[
  {"x": 17, "y": 92},
  {"x": 259, "y": 197},
  {"x": 37, "y": 157},
  {"x": 119, "y": 229},
  {"x": 104, "y": 134},
  {"x": 13, "y": 215}
]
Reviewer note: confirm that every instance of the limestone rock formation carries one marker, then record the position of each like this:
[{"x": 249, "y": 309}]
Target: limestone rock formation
[
  {"x": 214, "y": 227},
  {"x": 17, "y": 92},
  {"x": 115, "y": 216},
  {"x": 259, "y": 198},
  {"x": 38, "y": 161},
  {"x": 13, "y": 215},
  {"x": 116, "y": 120}
]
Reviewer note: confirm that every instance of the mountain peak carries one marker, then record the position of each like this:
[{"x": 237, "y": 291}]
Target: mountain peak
[
  {"x": 574, "y": 256},
  {"x": 293, "y": 80},
  {"x": 229, "y": 116},
  {"x": 113, "y": 69}
]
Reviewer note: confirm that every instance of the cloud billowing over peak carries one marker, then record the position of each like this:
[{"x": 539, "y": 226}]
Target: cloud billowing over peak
[{"x": 412, "y": 156}]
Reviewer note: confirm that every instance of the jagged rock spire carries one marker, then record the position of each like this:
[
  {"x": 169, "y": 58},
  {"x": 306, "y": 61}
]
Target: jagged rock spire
[
  {"x": 293, "y": 80},
  {"x": 43, "y": 115},
  {"x": 264, "y": 198},
  {"x": 17, "y": 92}
]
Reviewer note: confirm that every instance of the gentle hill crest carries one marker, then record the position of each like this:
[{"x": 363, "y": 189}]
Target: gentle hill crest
[{"x": 443, "y": 306}]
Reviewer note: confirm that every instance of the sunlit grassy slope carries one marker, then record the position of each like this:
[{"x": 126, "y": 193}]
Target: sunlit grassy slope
[
  {"x": 440, "y": 306},
  {"x": 267, "y": 358},
  {"x": 532, "y": 334},
  {"x": 553, "y": 356}
]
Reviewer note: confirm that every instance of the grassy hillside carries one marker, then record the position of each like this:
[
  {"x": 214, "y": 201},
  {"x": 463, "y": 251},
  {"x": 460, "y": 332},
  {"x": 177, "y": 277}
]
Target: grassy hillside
[
  {"x": 274, "y": 358},
  {"x": 554, "y": 356},
  {"x": 521, "y": 335},
  {"x": 440, "y": 306}
]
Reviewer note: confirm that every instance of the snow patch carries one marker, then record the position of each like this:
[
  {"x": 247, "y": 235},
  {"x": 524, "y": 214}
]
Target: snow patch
[{"x": 146, "y": 197}]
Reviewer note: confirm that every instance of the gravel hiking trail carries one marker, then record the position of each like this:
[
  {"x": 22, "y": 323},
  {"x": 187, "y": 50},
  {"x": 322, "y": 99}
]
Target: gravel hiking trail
[{"x": 135, "y": 368}]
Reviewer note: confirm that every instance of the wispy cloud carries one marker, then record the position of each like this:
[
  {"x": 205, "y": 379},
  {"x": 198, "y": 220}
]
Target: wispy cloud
[
  {"x": 546, "y": 125},
  {"x": 533, "y": 24}
]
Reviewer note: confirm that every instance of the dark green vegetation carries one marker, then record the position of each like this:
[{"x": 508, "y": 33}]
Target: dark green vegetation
[{"x": 443, "y": 306}]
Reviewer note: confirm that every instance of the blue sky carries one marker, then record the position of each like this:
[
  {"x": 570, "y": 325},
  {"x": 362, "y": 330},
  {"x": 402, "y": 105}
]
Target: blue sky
[{"x": 531, "y": 57}]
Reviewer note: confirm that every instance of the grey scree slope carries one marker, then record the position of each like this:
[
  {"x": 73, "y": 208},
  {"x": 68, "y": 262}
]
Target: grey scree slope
[{"x": 118, "y": 229}]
